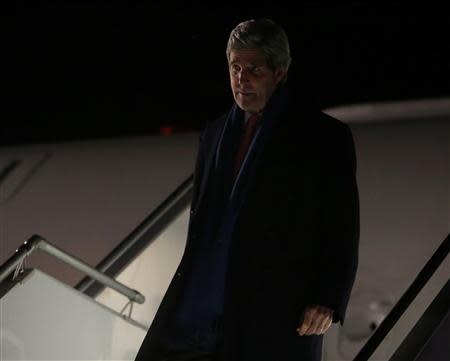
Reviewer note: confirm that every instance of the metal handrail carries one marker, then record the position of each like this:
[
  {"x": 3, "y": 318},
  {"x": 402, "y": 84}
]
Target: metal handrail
[
  {"x": 427, "y": 330},
  {"x": 36, "y": 242},
  {"x": 408, "y": 297}
]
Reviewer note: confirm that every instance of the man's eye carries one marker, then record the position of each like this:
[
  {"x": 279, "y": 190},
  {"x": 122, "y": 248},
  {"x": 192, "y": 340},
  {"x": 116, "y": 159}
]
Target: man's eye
[
  {"x": 255, "y": 70},
  {"x": 235, "y": 69}
]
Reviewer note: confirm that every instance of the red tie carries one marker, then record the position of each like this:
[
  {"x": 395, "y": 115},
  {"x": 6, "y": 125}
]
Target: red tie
[{"x": 245, "y": 142}]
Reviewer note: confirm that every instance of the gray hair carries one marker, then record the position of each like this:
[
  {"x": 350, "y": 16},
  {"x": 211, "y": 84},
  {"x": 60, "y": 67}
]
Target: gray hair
[{"x": 263, "y": 34}]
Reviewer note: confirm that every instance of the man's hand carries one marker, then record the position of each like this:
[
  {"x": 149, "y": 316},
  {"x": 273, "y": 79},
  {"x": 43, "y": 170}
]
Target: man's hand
[{"x": 317, "y": 320}]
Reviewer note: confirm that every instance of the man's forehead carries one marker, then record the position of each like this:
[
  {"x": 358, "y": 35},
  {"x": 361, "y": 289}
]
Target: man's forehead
[{"x": 251, "y": 56}]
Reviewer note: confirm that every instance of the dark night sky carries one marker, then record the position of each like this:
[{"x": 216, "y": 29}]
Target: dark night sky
[{"x": 80, "y": 69}]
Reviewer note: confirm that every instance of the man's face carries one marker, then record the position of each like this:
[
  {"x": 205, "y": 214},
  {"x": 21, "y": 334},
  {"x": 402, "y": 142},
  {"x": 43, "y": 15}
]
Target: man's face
[{"x": 252, "y": 81}]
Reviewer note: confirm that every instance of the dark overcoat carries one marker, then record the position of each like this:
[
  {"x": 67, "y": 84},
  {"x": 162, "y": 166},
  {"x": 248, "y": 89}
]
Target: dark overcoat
[{"x": 295, "y": 241}]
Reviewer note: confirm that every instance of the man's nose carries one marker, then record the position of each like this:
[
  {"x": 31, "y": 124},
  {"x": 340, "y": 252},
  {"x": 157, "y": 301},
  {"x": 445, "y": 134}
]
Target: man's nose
[{"x": 243, "y": 76}]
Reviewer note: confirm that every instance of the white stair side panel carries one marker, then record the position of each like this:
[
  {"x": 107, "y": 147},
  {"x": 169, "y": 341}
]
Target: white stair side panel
[
  {"x": 44, "y": 319},
  {"x": 150, "y": 273}
]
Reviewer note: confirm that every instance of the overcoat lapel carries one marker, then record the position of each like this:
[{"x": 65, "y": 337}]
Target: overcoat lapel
[{"x": 217, "y": 130}]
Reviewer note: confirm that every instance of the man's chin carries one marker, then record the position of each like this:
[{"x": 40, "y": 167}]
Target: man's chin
[{"x": 247, "y": 108}]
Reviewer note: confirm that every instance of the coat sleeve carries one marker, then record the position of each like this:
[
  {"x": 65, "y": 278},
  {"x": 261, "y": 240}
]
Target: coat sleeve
[{"x": 339, "y": 227}]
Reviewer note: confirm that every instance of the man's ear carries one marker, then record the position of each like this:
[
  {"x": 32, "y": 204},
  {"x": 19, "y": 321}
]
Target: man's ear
[{"x": 280, "y": 73}]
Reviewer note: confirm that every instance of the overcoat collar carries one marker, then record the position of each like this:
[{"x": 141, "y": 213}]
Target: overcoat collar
[{"x": 274, "y": 110}]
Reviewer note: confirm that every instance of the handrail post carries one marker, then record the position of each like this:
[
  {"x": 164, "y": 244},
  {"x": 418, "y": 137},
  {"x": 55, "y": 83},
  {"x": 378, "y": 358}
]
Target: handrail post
[{"x": 22, "y": 252}]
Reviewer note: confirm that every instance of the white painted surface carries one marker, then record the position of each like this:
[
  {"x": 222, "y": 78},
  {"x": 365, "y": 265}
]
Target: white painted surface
[
  {"x": 88, "y": 195},
  {"x": 44, "y": 319},
  {"x": 389, "y": 111}
]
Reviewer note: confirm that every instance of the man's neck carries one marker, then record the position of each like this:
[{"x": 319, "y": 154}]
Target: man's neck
[{"x": 248, "y": 115}]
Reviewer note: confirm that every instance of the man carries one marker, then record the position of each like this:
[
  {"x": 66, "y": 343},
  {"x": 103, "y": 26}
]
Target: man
[{"x": 272, "y": 247}]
